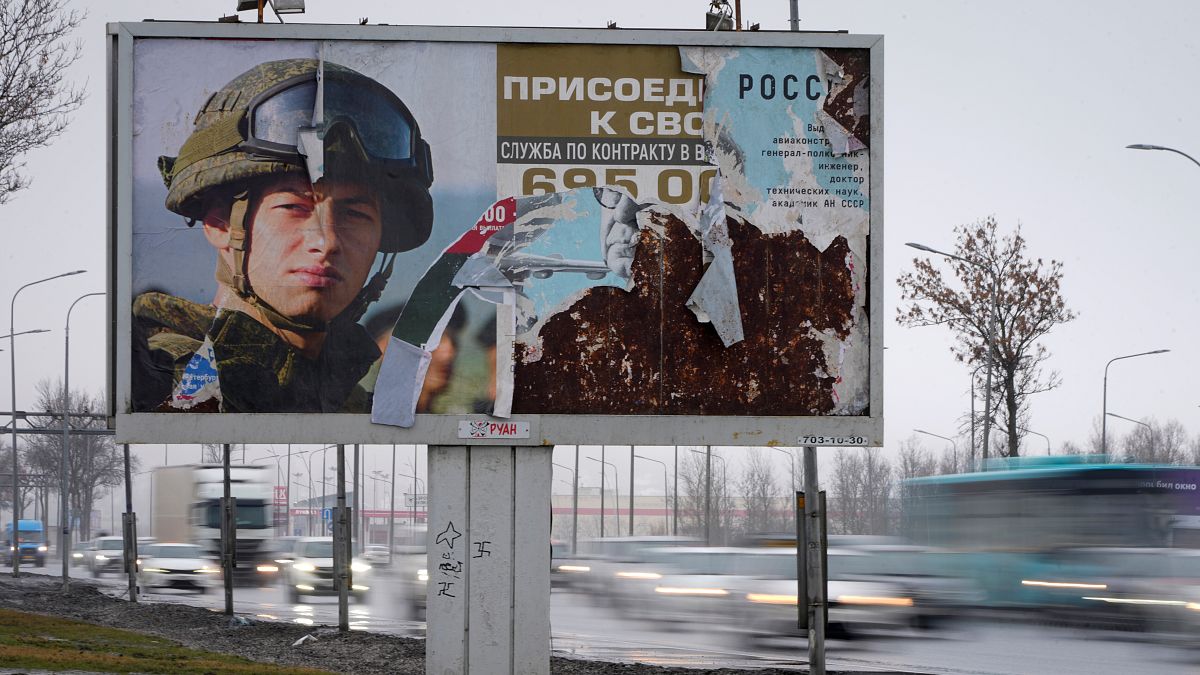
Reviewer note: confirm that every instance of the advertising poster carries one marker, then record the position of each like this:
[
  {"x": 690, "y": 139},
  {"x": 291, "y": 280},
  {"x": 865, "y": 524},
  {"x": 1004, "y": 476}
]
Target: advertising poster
[{"x": 396, "y": 228}]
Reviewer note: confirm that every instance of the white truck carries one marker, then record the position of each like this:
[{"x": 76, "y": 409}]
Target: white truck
[{"x": 187, "y": 509}]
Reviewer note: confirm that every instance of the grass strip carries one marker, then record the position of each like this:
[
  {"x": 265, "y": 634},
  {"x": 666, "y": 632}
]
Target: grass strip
[{"x": 50, "y": 643}]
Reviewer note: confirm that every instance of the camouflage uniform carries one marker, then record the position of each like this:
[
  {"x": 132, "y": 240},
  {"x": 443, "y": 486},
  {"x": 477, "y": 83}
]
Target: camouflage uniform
[
  {"x": 253, "y": 128},
  {"x": 258, "y": 372}
]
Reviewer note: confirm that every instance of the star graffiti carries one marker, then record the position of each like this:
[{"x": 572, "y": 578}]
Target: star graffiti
[{"x": 448, "y": 535}]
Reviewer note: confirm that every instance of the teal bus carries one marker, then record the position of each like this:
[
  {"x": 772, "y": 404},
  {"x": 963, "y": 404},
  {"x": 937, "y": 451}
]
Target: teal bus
[{"x": 1027, "y": 529}]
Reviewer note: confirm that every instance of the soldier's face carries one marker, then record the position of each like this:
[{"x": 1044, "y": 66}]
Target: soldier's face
[{"x": 311, "y": 248}]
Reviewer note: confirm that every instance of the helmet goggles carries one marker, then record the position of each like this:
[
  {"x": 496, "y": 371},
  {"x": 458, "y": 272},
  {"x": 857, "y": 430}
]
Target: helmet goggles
[{"x": 384, "y": 127}]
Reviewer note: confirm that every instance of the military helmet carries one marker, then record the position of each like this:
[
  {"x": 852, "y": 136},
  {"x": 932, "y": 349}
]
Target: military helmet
[{"x": 255, "y": 126}]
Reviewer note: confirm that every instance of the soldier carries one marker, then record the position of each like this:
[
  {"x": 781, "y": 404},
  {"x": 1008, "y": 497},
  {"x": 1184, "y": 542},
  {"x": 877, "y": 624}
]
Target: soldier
[{"x": 300, "y": 173}]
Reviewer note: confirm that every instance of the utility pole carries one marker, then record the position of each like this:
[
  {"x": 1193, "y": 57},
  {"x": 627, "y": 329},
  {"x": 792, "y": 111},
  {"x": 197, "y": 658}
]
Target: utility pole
[{"x": 815, "y": 600}]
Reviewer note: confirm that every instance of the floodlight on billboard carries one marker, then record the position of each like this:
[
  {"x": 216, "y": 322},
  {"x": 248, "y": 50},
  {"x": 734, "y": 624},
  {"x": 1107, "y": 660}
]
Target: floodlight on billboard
[{"x": 472, "y": 235}]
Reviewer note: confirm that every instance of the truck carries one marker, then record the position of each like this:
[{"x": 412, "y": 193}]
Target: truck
[
  {"x": 31, "y": 540},
  {"x": 187, "y": 509}
]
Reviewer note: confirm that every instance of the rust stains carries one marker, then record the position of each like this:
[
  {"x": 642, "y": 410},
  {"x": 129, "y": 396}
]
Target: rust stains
[{"x": 644, "y": 353}]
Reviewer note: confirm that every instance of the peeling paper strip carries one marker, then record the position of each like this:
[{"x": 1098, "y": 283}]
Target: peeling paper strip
[
  {"x": 399, "y": 384},
  {"x": 715, "y": 298}
]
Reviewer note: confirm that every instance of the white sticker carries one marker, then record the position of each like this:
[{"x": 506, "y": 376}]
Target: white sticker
[
  {"x": 492, "y": 429},
  {"x": 833, "y": 441}
]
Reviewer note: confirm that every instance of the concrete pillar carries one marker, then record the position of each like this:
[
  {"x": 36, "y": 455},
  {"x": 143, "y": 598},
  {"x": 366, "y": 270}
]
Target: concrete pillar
[{"x": 488, "y": 595}]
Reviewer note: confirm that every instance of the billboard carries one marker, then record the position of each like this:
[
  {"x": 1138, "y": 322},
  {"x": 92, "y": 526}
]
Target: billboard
[{"x": 481, "y": 235}]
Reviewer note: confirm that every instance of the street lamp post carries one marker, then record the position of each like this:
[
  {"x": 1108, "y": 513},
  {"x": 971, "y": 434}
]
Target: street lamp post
[
  {"x": 989, "y": 338},
  {"x": 1047, "y": 438},
  {"x": 12, "y": 360},
  {"x": 666, "y": 509},
  {"x": 574, "y": 505},
  {"x": 708, "y": 457},
  {"x": 1104, "y": 409},
  {"x": 616, "y": 489},
  {"x": 953, "y": 445},
  {"x": 64, "y": 542},
  {"x": 1149, "y": 146}
]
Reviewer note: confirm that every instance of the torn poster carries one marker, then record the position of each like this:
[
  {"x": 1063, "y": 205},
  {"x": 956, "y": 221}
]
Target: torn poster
[{"x": 665, "y": 230}]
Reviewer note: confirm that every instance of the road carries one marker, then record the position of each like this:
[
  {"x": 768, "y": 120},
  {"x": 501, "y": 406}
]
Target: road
[{"x": 582, "y": 629}]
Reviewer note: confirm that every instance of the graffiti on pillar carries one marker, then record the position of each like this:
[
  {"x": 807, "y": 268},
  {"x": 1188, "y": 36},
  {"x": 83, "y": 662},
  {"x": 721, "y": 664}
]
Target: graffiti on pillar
[
  {"x": 450, "y": 568},
  {"x": 482, "y": 550}
]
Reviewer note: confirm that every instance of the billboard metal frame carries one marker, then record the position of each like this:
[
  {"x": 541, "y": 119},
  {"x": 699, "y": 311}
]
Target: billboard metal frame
[{"x": 858, "y": 430}]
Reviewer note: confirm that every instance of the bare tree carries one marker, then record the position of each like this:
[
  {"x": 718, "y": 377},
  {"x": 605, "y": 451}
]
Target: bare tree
[
  {"x": 6, "y": 482},
  {"x": 36, "y": 101},
  {"x": 691, "y": 499},
  {"x": 1028, "y": 304},
  {"x": 212, "y": 453},
  {"x": 93, "y": 462},
  {"x": 914, "y": 461},
  {"x": 863, "y": 487},
  {"x": 760, "y": 493},
  {"x": 1157, "y": 443}
]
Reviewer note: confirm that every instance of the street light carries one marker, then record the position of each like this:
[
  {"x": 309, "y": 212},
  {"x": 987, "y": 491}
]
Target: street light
[
  {"x": 64, "y": 542},
  {"x": 1031, "y": 431},
  {"x": 666, "y": 509},
  {"x": 953, "y": 445},
  {"x": 991, "y": 346},
  {"x": 1104, "y": 409},
  {"x": 574, "y": 505},
  {"x": 1129, "y": 419},
  {"x": 708, "y": 488},
  {"x": 12, "y": 356},
  {"x": 1148, "y": 146},
  {"x": 616, "y": 488}
]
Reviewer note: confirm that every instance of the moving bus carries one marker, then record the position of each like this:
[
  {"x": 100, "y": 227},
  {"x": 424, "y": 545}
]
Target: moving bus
[
  {"x": 31, "y": 542},
  {"x": 1018, "y": 530}
]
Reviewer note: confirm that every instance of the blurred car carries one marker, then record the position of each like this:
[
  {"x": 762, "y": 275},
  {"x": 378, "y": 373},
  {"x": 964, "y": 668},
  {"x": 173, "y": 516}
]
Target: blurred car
[
  {"x": 311, "y": 571},
  {"x": 767, "y": 602},
  {"x": 183, "y": 566},
  {"x": 377, "y": 555},
  {"x": 282, "y": 554},
  {"x": 107, "y": 554},
  {"x": 411, "y": 571},
  {"x": 595, "y": 568},
  {"x": 927, "y": 575},
  {"x": 1155, "y": 590},
  {"x": 79, "y": 553}
]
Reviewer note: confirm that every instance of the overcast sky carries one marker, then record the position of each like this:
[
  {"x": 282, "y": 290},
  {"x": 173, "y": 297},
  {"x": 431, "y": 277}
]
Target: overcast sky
[{"x": 1020, "y": 109}]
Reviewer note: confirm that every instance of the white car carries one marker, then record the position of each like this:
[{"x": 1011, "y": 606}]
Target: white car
[
  {"x": 177, "y": 566},
  {"x": 311, "y": 571},
  {"x": 107, "y": 554}
]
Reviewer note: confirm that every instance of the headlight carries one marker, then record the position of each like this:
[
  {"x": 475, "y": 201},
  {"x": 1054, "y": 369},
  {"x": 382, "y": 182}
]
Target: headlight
[
  {"x": 208, "y": 570},
  {"x": 43, "y": 549},
  {"x": 356, "y": 587},
  {"x": 76, "y": 555},
  {"x": 358, "y": 566},
  {"x": 422, "y": 575},
  {"x": 155, "y": 569},
  {"x": 305, "y": 567},
  {"x": 267, "y": 568},
  {"x": 638, "y": 575},
  {"x": 771, "y": 598},
  {"x": 874, "y": 600},
  {"x": 676, "y": 590},
  {"x": 101, "y": 558},
  {"x": 574, "y": 568}
]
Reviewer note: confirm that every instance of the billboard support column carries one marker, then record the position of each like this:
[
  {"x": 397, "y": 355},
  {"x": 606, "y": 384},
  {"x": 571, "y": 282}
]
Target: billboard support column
[
  {"x": 489, "y": 560},
  {"x": 228, "y": 530},
  {"x": 129, "y": 527},
  {"x": 341, "y": 544},
  {"x": 814, "y": 572}
]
